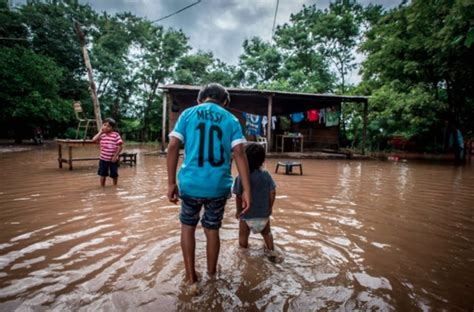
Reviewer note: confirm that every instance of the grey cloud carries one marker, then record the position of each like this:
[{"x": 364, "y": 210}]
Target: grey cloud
[{"x": 201, "y": 22}]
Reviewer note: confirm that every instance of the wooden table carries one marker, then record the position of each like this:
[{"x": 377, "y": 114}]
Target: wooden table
[
  {"x": 130, "y": 158},
  {"x": 69, "y": 144},
  {"x": 282, "y": 137}
]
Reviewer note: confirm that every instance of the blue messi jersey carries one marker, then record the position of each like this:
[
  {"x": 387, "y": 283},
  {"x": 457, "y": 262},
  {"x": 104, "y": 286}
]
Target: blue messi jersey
[{"x": 208, "y": 132}]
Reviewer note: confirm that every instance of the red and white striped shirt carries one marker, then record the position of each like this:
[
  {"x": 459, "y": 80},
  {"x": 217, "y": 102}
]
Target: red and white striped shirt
[{"x": 109, "y": 144}]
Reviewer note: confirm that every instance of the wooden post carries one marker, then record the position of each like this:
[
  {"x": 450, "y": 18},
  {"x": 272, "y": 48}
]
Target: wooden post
[
  {"x": 269, "y": 124},
  {"x": 163, "y": 121},
  {"x": 60, "y": 155},
  {"x": 364, "y": 131},
  {"x": 95, "y": 100},
  {"x": 70, "y": 157}
]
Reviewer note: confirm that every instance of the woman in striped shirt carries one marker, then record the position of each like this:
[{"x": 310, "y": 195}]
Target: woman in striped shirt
[{"x": 110, "y": 148}]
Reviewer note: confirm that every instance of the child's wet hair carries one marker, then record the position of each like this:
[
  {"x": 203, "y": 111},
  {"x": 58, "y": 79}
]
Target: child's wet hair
[
  {"x": 255, "y": 155},
  {"x": 214, "y": 91},
  {"x": 110, "y": 121}
]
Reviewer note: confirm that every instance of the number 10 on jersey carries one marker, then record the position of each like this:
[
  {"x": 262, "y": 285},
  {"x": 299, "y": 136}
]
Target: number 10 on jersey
[{"x": 213, "y": 136}]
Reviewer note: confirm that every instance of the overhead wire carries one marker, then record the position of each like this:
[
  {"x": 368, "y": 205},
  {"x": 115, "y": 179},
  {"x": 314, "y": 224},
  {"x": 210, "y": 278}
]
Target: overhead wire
[
  {"x": 16, "y": 39},
  {"x": 179, "y": 11},
  {"x": 274, "y": 18}
]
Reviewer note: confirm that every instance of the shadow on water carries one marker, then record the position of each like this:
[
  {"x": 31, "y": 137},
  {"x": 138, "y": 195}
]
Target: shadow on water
[{"x": 362, "y": 235}]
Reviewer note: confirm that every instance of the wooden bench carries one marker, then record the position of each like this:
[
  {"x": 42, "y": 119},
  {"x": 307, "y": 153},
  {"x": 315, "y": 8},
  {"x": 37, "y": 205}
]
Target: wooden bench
[
  {"x": 69, "y": 144},
  {"x": 130, "y": 158},
  {"x": 288, "y": 165}
]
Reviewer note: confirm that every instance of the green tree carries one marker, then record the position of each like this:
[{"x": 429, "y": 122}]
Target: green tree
[
  {"x": 29, "y": 93},
  {"x": 158, "y": 53},
  {"x": 12, "y": 30},
  {"x": 424, "y": 46},
  {"x": 112, "y": 57},
  {"x": 202, "y": 68},
  {"x": 260, "y": 63},
  {"x": 227, "y": 75},
  {"x": 318, "y": 36},
  {"x": 51, "y": 33}
]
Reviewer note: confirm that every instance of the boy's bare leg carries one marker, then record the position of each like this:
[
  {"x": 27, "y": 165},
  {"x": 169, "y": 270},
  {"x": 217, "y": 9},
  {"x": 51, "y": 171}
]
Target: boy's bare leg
[
  {"x": 212, "y": 249},
  {"x": 267, "y": 236},
  {"x": 188, "y": 246},
  {"x": 102, "y": 181},
  {"x": 115, "y": 181},
  {"x": 244, "y": 233}
]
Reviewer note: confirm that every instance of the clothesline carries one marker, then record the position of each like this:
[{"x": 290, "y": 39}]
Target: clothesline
[
  {"x": 309, "y": 111},
  {"x": 256, "y": 124}
]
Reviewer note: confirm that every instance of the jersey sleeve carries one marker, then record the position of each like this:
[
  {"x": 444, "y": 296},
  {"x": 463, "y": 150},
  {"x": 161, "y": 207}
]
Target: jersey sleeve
[
  {"x": 237, "y": 188},
  {"x": 237, "y": 136},
  {"x": 179, "y": 130}
]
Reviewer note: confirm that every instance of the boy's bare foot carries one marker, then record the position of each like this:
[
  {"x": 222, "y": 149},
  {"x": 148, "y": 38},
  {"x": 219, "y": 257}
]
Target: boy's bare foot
[
  {"x": 191, "y": 279},
  {"x": 189, "y": 288},
  {"x": 193, "y": 290}
]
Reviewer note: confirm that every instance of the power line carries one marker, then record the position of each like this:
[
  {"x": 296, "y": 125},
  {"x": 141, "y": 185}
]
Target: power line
[
  {"x": 174, "y": 13},
  {"x": 8, "y": 38},
  {"x": 274, "y": 18}
]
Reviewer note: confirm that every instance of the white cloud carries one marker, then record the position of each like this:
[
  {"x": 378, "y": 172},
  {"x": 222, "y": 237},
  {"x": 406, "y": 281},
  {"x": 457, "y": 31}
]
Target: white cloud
[{"x": 227, "y": 22}]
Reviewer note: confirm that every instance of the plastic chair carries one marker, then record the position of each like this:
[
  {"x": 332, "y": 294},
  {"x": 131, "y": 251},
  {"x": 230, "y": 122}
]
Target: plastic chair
[
  {"x": 263, "y": 141},
  {"x": 288, "y": 165},
  {"x": 83, "y": 122}
]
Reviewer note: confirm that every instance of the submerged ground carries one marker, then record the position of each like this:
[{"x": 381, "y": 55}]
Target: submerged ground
[{"x": 352, "y": 235}]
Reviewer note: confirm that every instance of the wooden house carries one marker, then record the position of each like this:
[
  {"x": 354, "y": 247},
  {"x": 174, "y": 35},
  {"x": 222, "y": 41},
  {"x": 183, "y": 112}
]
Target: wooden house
[{"x": 317, "y": 135}]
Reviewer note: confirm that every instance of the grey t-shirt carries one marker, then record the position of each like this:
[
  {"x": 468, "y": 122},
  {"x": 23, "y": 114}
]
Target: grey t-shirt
[{"x": 261, "y": 183}]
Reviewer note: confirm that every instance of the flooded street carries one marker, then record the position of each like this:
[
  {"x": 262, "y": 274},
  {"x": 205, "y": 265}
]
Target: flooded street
[{"x": 367, "y": 235}]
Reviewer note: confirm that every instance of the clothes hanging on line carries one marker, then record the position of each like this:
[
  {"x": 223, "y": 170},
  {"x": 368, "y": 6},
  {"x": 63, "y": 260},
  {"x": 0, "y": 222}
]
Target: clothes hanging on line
[
  {"x": 297, "y": 117},
  {"x": 253, "y": 124},
  {"x": 284, "y": 123},
  {"x": 312, "y": 115},
  {"x": 265, "y": 122},
  {"x": 332, "y": 117},
  {"x": 322, "y": 115}
]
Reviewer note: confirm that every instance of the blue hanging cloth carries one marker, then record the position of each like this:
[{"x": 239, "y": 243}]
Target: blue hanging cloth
[
  {"x": 253, "y": 124},
  {"x": 297, "y": 117}
]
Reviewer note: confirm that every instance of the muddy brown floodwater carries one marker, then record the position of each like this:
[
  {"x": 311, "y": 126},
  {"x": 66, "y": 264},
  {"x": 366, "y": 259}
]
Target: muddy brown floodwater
[{"x": 353, "y": 235}]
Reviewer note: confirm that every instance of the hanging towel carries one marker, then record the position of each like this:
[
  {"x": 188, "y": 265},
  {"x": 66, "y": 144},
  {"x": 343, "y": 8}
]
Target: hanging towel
[
  {"x": 313, "y": 115},
  {"x": 332, "y": 117},
  {"x": 284, "y": 123},
  {"x": 297, "y": 117}
]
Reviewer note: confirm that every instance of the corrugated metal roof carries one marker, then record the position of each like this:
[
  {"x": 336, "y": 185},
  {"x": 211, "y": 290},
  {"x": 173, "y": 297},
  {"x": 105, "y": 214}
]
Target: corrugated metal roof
[{"x": 344, "y": 98}]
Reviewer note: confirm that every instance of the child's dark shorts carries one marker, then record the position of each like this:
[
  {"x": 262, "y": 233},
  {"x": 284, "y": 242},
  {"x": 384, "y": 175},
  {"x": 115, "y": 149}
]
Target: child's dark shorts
[
  {"x": 213, "y": 211},
  {"x": 108, "y": 169}
]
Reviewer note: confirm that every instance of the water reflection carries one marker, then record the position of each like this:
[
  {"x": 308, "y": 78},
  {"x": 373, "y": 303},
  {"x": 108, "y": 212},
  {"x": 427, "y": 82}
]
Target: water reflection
[{"x": 351, "y": 236}]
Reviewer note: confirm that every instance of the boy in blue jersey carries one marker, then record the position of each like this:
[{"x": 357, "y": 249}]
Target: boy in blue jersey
[{"x": 210, "y": 134}]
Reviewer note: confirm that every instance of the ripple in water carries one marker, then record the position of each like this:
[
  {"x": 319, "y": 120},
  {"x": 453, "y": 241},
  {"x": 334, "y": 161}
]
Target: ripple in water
[{"x": 350, "y": 236}]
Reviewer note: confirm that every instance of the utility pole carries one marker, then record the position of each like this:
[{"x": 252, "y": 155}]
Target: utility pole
[{"x": 95, "y": 99}]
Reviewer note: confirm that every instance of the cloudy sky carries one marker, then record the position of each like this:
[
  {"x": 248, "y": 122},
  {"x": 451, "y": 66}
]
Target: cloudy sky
[{"x": 219, "y": 26}]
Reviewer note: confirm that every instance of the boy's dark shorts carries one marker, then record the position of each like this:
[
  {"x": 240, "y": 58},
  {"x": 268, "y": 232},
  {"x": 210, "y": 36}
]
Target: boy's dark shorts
[
  {"x": 108, "y": 169},
  {"x": 213, "y": 211}
]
